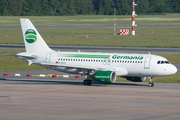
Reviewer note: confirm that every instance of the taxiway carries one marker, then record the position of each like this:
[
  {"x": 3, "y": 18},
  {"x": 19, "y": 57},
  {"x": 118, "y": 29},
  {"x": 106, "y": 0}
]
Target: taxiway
[
  {"x": 37, "y": 98},
  {"x": 101, "y": 49}
]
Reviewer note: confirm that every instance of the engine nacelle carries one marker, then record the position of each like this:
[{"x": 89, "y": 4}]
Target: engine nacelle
[
  {"x": 106, "y": 77},
  {"x": 136, "y": 79}
]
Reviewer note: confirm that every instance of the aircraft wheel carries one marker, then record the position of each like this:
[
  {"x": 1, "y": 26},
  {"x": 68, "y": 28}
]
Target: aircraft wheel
[
  {"x": 87, "y": 82},
  {"x": 151, "y": 84}
]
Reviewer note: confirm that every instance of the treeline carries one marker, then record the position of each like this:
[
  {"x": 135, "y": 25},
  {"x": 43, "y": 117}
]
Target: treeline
[{"x": 85, "y": 7}]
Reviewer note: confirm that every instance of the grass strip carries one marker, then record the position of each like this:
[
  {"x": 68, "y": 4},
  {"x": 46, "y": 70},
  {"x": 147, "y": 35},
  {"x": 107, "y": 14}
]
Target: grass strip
[
  {"x": 93, "y": 20},
  {"x": 145, "y": 37}
]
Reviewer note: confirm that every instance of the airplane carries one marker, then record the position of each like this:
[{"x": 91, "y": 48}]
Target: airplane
[{"x": 102, "y": 67}]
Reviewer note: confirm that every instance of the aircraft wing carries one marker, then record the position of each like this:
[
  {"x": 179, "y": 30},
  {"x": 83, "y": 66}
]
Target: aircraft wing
[
  {"x": 73, "y": 66},
  {"x": 120, "y": 71}
]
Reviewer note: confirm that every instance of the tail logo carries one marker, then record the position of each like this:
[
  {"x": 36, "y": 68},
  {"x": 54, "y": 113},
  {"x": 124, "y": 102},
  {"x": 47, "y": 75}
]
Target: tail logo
[{"x": 31, "y": 36}]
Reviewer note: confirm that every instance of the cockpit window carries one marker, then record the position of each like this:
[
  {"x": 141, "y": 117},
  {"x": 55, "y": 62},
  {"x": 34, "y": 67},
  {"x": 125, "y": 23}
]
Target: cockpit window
[
  {"x": 162, "y": 62},
  {"x": 166, "y": 62}
]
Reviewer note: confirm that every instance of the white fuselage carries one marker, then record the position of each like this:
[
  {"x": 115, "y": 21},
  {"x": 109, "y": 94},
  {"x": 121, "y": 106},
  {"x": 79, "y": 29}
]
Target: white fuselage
[{"x": 124, "y": 64}]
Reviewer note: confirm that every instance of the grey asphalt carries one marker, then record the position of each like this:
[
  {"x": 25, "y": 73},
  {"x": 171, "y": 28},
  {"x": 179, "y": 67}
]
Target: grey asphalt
[
  {"x": 27, "y": 98},
  {"x": 94, "y": 27}
]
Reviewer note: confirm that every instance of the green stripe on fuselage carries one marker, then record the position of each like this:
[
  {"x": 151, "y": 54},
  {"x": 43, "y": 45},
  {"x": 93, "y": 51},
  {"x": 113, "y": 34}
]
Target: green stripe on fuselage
[{"x": 85, "y": 56}]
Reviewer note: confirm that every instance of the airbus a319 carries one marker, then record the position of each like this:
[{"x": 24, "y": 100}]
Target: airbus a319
[{"x": 102, "y": 67}]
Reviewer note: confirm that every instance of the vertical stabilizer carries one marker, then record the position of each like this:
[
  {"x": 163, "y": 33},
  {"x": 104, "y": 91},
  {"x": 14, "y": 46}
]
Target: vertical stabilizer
[{"x": 32, "y": 39}]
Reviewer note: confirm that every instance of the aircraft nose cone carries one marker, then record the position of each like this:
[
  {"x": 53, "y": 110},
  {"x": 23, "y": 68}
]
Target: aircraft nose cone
[{"x": 173, "y": 69}]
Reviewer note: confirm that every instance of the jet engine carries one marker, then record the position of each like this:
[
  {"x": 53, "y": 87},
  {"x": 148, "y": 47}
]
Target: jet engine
[
  {"x": 136, "y": 79},
  {"x": 106, "y": 77}
]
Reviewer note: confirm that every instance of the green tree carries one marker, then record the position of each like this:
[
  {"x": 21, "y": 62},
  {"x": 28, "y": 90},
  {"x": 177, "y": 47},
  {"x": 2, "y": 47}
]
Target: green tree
[
  {"x": 117, "y": 5},
  {"x": 15, "y": 7},
  {"x": 44, "y": 9},
  {"x": 25, "y": 9},
  {"x": 174, "y": 5},
  {"x": 160, "y": 7},
  {"x": 84, "y": 7},
  {"x": 126, "y": 7},
  {"x": 100, "y": 8},
  {"x": 53, "y": 5},
  {"x": 2, "y": 7},
  {"x": 152, "y": 6},
  {"x": 142, "y": 6},
  {"x": 108, "y": 7},
  {"x": 69, "y": 7}
]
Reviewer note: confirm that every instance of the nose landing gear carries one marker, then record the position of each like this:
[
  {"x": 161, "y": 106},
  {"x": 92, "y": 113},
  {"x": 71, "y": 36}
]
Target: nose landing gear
[{"x": 150, "y": 84}]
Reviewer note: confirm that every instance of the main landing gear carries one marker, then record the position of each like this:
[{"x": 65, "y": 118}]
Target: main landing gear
[
  {"x": 150, "y": 84},
  {"x": 87, "y": 82}
]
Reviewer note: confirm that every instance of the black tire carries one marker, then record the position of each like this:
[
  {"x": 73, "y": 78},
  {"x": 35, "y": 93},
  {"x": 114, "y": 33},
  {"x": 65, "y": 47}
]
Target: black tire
[
  {"x": 87, "y": 82},
  {"x": 151, "y": 84}
]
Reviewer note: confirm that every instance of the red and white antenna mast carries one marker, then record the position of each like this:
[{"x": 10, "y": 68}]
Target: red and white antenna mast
[
  {"x": 133, "y": 18},
  {"x": 114, "y": 21}
]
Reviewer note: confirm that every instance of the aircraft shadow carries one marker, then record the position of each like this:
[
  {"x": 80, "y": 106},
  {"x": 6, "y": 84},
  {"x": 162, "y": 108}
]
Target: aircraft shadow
[{"x": 60, "y": 82}]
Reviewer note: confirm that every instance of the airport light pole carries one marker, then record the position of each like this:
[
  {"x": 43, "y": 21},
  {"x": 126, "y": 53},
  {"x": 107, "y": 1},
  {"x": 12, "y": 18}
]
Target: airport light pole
[{"x": 133, "y": 18}]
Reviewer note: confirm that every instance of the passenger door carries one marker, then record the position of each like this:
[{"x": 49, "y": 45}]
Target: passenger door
[
  {"x": 48, "y": 58},
  {"x": 147, "y": 62}
]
